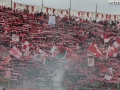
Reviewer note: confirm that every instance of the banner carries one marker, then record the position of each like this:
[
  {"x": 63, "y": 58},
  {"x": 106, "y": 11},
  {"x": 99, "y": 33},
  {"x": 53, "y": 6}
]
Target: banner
[
  {"x": 60, "y": 12},
  {"x": 31, "y": 8},
  {"x": 51, "y": 20},
  {"x": 90, "y": 61},
  {"x": 81, "y": 14}
]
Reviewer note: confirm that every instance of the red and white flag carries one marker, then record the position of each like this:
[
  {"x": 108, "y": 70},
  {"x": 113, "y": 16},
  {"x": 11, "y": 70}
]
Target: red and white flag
[
  {"x": 111, "y": 51},
  {"x": 116, "y": 44},
  {"x": 25, "y": 45},
  {"x": 95, "y": 50},
  {"x": 15, "y": 52}
]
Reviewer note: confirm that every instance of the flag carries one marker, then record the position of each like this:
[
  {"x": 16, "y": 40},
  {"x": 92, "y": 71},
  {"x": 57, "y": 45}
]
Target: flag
[
  {"x": 107, "y": 77},
  {"x": 111, "y": 51},
  {"x": 90, "y": 61},
  {"x": 62, "y": 54},
  {"x": 15, "y": 52},
  {"x": 95, "y": 50},
  {"x": 25, "y": 45},
  {"x": 114, "y": 55},
  {"x": 15, "y": 38},
  {"x": 53, "y": 51},
  {"x": 116, "y": 44}
]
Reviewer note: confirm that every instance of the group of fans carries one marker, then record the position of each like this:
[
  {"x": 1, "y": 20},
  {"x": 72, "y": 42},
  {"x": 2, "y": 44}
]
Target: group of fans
[{"x": 70, "y": 32}]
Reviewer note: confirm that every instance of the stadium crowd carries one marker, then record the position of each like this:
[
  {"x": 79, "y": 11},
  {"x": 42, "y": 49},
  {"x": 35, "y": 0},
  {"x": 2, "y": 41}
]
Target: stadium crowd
[{"x": 72, "y": 32}]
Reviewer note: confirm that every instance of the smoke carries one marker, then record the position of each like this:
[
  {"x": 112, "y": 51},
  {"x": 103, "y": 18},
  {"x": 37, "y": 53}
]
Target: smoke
[
  {"x": 59, "y": 74},
  {"x": 49, "y": 75},
  {"x": 3, "y": 52}
]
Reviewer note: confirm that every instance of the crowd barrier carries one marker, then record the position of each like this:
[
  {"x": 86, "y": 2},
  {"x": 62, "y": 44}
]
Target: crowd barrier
[{"x": 45, "y": 85}]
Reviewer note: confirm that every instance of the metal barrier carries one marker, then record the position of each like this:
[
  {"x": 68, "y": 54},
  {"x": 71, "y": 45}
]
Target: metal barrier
[{"x": 46, "y": 85}]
